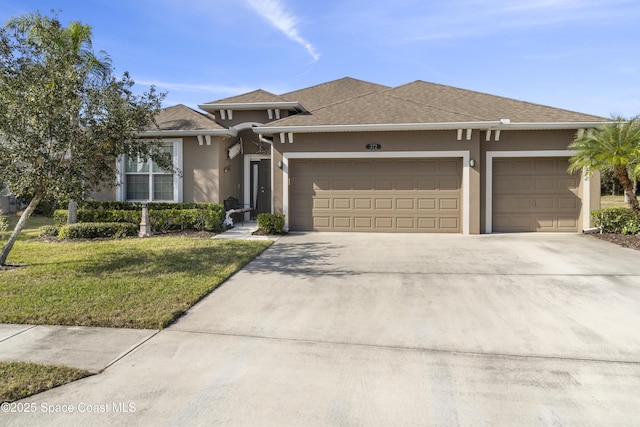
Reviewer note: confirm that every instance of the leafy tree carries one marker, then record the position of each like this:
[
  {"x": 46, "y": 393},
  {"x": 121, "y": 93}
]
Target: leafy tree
[
  {"x": 64, "y": 118},
  {"x": 615, "y": 146}
]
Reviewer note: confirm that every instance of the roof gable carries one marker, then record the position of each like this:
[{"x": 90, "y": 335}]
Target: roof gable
[
  {"x": 250, "y": 97},
  {"x": 180, "y": 117},
  {"x": 325, "y": 94}
]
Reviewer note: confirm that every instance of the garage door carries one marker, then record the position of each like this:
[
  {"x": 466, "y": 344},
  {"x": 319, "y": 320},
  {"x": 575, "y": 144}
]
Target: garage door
[
  {"x": 393, "y": 195},
  {"x": 534, "y": 194}
]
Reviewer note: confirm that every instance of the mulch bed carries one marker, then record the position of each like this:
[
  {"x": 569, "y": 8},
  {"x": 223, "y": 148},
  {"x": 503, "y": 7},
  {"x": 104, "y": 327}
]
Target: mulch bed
[{"x": 624, "y": 240}]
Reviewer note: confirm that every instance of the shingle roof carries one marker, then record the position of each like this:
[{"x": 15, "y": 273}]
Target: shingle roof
[
  {"x": 482, "y": 106},
  {"x": 181, "y": 117},
  {"x": 255, "y": 96},
  {"x": 422, "y": 102},
  {"x": 325, "y": 94},
  {"x": 373, "y": 108}
]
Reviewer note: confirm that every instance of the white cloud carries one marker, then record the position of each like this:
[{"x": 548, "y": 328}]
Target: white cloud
[{"x": 275, "y": 13}]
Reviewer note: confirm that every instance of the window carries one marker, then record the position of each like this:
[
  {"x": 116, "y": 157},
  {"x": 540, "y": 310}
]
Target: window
[{"x": 145, "y": 180}]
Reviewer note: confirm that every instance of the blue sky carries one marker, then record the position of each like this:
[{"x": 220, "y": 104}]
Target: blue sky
[{"x": 582, "y": 55}]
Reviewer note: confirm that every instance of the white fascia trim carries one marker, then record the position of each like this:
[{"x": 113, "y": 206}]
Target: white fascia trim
[
  {"x": 464, "y": 154},
  {"x": 488, "y": 125},
  {"x": 269, "y": 130},
  {"x": 552, "y": 125},
  {"x": 230, "y": 133},
  {"x": 248, "y": 158},
  {"x": 284, "y": 105},
  {"x": 540, "y": 153}
]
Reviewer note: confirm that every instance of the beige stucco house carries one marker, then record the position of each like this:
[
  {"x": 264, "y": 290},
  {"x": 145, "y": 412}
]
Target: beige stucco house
[{"x": 349, "y": 155}]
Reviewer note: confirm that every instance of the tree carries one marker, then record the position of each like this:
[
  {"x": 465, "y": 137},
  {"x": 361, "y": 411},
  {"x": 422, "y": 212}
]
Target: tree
[
  {"x": 64, "y": 118},
  {"x": 615, "y": 146}
]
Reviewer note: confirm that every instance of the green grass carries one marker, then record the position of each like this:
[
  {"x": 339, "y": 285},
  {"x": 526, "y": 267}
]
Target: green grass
[
  {"x": 21, "y": 379},
  {"x": 135, "y": 283},
  {"x": 612, "y": 201},
  {"x": 31, "y": 229}
]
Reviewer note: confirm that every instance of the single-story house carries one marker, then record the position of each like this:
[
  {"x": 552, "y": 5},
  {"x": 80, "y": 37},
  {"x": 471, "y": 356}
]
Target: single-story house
[{"x": 350, "y": 155}]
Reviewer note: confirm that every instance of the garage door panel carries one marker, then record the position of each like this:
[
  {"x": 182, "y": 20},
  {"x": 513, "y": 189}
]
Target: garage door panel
[
  {"x": 426, "y": 204},
  {"x": 405, "y": 185},
  {"x": 362, "y": 184},
  {"x": 449, "y": 223},
  {"x": 361, "y": 223},
  {"x": 404, "y": 204},
  {"x": 534, "y": 194},
  {"x": 448, "y": 204},
  {"x": 398, "y": 196},
  {"x": 340, "y": 185},
  {"x": 406, "y": 223},
  {"x": 449, "y": 185},
  {"x": 363, "y": 204},
  {"x": 341, "y": 222},
  {"x": 342, "y": 203},
  {"x": 319, "y": 203},
  {"x": 568, "y": 203},
  {"x": 427, "y": 184},
  {"x": 427, "y": 223},
  {"x": 384, "y": 203}
]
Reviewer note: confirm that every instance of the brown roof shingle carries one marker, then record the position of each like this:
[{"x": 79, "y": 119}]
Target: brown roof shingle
[
  {"x": 483, "y": 106},
  {"x": 249, "y": 97},
  {"x": 181, "y": 117},
  {"x": 325, "y": 94},
  {"x": 423, "y": 102}
]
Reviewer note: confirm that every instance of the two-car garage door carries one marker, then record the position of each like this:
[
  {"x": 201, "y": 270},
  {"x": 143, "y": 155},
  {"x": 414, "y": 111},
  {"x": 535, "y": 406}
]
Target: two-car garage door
[
  {"x": 425, "y": 195},
  {"x": 384, "y": 195}
]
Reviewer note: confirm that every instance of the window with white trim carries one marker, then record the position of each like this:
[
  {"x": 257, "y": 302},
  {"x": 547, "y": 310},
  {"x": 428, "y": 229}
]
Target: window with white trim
[{"x": 144, "y": 180}]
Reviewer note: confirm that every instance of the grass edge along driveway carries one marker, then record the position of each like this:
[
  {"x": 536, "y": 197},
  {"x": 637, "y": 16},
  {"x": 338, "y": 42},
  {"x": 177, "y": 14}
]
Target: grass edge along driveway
[{"x": 132, "y": 283}]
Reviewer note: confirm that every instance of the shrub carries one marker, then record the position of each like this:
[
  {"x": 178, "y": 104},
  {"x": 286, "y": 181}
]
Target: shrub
[
  {"x": 48, "y": 231},
  {"x": 163, "y": 216},
  {"x": 616, "y": 220},
  {"x": 93, "y": 230},
  {"x": 271, "y": 223}
]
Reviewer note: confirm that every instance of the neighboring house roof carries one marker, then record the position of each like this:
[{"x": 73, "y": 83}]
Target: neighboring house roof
[
  {"x": 182, "y": 120},
  {"x": 325, "y": 94},
  {"x": 422, "y": 105}
]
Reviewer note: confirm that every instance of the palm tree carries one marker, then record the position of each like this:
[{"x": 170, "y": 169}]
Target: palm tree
[{"x": 616, "y": 146}]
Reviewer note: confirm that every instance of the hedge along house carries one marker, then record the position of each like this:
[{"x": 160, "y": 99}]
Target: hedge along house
[{"x": 349, "y": 155}]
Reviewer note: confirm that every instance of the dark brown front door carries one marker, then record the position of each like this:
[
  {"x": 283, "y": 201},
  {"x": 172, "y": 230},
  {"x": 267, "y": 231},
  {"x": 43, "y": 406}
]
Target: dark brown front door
[{"x": 260, "y": 187}]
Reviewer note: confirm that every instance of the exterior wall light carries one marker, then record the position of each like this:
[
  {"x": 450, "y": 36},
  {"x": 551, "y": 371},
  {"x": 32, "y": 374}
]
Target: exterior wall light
[{"x": 472, "y": 163}]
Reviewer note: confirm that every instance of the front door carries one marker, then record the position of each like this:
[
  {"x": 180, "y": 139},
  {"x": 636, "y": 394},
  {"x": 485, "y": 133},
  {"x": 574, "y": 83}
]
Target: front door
[{"x": 260, "y": 187}]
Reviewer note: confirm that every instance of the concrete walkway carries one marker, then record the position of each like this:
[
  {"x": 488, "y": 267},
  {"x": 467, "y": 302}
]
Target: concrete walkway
[{"x": 366, "y": 329}]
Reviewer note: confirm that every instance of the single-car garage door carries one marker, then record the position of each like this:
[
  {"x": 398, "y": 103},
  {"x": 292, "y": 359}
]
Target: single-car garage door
[
  {"x": 534, "y": 194},
  {"x": 390, "y": 195}
]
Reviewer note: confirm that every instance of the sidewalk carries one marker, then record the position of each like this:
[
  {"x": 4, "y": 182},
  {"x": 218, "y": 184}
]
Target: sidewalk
[
  {"x": 90, "y": 348},
  {"x": 93, "y": 349}
]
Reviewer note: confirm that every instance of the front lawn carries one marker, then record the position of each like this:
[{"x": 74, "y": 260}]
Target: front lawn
[
  {"x": 134, "y": 283},
  {"x": 21, "y": 379}
]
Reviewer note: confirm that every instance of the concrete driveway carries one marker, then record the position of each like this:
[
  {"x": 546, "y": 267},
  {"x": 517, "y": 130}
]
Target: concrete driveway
[{"x": 381, "y": 329}]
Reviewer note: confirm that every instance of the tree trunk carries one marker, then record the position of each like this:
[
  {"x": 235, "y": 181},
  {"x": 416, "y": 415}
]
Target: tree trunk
[
  {"x": 629, "y": 190},
  {"x": 19, "y": 226}
]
